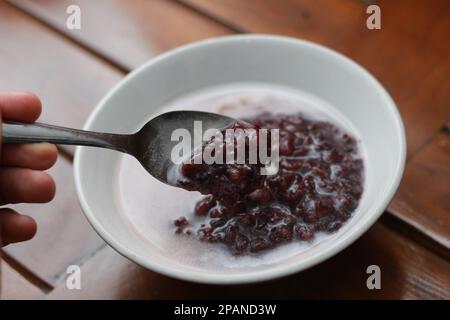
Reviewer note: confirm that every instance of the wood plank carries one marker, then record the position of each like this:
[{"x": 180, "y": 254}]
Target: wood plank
[
  {"x": 127, "y": 32},
  {"x": 55, "y": 69},
  {"x": 52, "y": 67},
  {"x": 423, "y": 199},
  {"x": 410, "y": 55},
  {"x": 321, "y": 21},
  {"x": 64, "y": 236},
  {"x": 408, "y": 271},
  {"x": 14, "y": 286},
  {"x": 411, "y": 61}
]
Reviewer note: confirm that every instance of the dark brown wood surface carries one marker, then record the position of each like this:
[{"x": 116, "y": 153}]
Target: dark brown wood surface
[
  {"x": 133, "y": 31},
  {"x": 424, "y": 195},
  {"x": 72, "y": 70},
  {"x": 409, "y": 55},
  {"x": 410, "y": 59},
  {"x": 408, "y": 271},
  {"x": 37, "y": 59}
]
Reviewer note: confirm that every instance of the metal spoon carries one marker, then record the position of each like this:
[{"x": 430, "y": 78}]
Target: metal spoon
[{"x": 151, "y": 145}]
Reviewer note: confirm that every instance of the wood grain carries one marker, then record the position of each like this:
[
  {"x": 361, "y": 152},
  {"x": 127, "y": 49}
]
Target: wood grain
[
  {"x": 64, "y": 236},
  {"x": 407, "y": 272},
  {"x": 127, "y": 32},
  {"x": 321, "y": 21},
  {"x": 412, "y": 61},
  {"x": 14, "y": 286},
  {"x": 62, "y": 75},
  {"x": 35, "y": 59},
  {"x": 423, "y": 199},
  {"x": 410, "y": 55},
  {"x": 72, "y": 70}
]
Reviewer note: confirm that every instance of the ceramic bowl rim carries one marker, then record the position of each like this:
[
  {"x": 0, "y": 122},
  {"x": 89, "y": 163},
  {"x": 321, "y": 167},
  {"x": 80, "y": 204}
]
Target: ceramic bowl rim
[{"x": 269, "y": 273}]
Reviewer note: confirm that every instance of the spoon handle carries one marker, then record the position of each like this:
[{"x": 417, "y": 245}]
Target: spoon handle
[{"x": 14, "y": 132}]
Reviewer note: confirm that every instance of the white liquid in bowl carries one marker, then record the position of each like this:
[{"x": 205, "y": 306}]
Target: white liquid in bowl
[{"x": 151, "y": 206}]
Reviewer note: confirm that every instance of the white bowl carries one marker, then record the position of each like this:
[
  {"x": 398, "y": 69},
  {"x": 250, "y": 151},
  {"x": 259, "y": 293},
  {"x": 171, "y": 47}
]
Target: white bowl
[{"x": 280, "y": 61}]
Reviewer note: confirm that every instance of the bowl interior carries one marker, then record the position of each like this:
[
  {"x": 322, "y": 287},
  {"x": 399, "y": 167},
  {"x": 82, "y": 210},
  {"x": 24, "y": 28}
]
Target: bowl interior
[{"x": 265, "y": 60}]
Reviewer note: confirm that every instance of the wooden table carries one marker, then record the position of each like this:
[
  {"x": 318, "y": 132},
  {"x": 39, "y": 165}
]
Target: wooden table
[{"x": 72, "y": 69}]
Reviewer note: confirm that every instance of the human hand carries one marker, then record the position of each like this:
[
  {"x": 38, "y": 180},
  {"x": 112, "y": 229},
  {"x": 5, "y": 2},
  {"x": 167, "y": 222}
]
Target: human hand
[{"x": 21, "y": 165}]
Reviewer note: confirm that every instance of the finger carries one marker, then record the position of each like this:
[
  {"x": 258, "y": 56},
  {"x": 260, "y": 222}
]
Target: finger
[
  {"x": 25, "y": 185},
  {"x": 15, "y": 227},
  {"x": 19, "y": 106},
  {"x": 37, "y": 156}
]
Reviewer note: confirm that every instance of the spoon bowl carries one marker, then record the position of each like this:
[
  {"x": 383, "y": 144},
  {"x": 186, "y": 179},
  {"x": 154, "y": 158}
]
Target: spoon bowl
[{"x": 153, "y": 143}]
